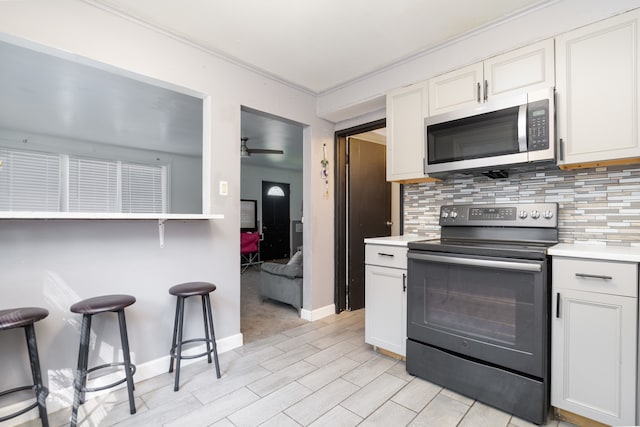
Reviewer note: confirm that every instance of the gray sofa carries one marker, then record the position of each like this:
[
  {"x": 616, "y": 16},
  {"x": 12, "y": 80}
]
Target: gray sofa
[{"x": 283, "y": 282}]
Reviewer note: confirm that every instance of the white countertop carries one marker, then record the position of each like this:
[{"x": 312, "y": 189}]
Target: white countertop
[
  {"x": 396, "y": 240},
  {"x": 596, "y": 251}
]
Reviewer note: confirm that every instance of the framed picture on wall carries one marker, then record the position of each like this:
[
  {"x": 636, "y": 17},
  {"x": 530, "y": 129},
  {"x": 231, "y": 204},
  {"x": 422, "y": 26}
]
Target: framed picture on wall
[{"x": 248, "y": 215}]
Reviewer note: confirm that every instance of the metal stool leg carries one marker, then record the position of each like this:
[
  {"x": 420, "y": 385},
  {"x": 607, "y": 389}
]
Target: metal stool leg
[
  {"x": 175, "y": 334},
  {"x": 178, "y": 351},
  {"x": 213, "y": 335},
  {"x": 127, "y": 359},
  {"x": 80, "y": 381},
  {"x": 41, "y": 391},
  {"x": 206, "y": 328}
]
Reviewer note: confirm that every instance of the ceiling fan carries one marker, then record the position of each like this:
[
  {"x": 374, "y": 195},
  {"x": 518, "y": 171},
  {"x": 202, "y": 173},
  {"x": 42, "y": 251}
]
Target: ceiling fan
[{"x": 246, "y": 152}]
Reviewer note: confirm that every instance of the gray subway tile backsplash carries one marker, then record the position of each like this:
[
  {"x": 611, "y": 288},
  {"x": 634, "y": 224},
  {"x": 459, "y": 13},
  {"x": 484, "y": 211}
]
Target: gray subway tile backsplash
[{"x": 598, "y": 205}]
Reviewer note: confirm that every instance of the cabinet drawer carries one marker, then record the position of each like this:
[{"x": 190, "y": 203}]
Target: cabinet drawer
[
  {"x": 386, "y": 256},
  {"x": 608, "y": 277}
]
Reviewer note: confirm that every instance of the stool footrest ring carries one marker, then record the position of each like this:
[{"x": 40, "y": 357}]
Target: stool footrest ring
[
  {"x": 172, "y": 352},
  {"x": 44, "y": 392},
  {"x": 113, "y": 384}
]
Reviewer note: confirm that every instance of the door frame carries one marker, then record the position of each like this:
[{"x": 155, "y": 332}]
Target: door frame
[{"x": 340, "y": 207}]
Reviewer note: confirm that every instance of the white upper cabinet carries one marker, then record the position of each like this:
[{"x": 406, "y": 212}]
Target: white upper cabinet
[
  {"x": 406, "y": 110},
  {"x": 522, "y": 70},
  {"x": 457, "y": 89},
  {"x": 598, "y": 76}
]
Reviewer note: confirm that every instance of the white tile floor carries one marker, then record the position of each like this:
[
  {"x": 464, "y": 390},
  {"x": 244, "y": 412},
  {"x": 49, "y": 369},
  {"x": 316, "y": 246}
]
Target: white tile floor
[{"x": 319, "y": 374}]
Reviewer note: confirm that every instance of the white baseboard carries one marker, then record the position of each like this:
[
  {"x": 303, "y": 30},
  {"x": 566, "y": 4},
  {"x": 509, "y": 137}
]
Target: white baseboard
[
  {"x": 62, "y": 398},
  {"x": 317, "y": 314}
]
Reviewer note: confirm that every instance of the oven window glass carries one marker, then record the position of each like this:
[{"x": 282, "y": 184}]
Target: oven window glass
[
  {"x": 481, "y": 303},
  {"x": 486, "y": 135}
]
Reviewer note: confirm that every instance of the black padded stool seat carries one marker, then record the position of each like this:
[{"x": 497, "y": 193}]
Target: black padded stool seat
[
  {"x": 102, "y": 303},
  {"x": 25, "y": 317},
  {"x": 183, "y": 291},
  {"x": 190, "y": 289},
  {"x": 20, "y": 317},
  {"x": 88, "y": 308}
]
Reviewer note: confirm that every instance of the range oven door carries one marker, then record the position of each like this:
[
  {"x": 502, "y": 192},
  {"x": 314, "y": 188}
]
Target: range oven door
[{"x": 485, "y": 308}]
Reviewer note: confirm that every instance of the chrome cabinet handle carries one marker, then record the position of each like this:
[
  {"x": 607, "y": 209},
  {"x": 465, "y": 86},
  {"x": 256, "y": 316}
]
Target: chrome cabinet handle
[
  {"x": 486, "y": 90},
  {"x": 593, "y": 276},
  {"x": 383, "y": 254},
  {"x": 478, "y": 91},
  {"x": 404, "y": 282},
  {"x": 558, "y": 305},
  {"x": 561, "y": 149}
]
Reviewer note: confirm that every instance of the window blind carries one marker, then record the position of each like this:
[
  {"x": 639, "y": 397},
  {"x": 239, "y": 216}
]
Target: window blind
[
  {"x": 93, "y": 185},
  {"x": 29, "y": 181},
  {"x": 143, "y": 188},
  {"x": 32, "y": 181}
]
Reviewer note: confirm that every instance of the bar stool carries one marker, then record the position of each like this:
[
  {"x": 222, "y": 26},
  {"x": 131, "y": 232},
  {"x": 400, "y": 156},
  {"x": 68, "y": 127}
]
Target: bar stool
[
  {"x": 88, "y": 308},
  {"x": 25, "y": 317},
  {"x": 183, "y": 291}
]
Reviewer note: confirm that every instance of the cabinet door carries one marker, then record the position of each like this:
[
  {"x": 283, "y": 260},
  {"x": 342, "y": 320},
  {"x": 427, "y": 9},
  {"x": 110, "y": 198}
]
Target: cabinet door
[
  {"x": 597, "y": 70},
  {"x": 520, "y": 71},
  {"x": 593, "y": 356},
  {"x": 406, "y": 110},
  {"x": 455, "y": 90},
  {"x": 386, "y": 306}
]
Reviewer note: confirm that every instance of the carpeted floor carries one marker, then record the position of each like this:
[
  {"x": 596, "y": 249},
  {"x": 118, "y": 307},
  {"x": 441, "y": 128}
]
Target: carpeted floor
[{"x": 262, "y": 319}]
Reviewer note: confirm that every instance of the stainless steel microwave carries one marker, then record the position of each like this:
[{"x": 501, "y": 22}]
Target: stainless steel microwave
[{"x": 512, "y": 133}]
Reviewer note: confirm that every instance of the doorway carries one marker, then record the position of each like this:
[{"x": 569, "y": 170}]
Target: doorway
[
  {"x": 275, "y": 221},
  {"x": 272, "y": 157},
  {"x": 368, "y": 209},
  {"x": 362, "y": 209}
]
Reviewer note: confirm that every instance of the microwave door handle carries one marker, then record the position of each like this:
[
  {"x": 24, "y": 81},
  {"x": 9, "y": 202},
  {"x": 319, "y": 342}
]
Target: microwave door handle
[{"x": 522, "y": 128}]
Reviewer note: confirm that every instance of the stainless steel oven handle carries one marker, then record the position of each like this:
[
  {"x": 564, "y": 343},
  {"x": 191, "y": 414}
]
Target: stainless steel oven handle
[{"x": 476, "y": 262}]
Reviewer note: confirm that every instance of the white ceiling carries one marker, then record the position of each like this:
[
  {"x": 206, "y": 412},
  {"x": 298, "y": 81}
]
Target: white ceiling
[{"x": 318, "y": 45}]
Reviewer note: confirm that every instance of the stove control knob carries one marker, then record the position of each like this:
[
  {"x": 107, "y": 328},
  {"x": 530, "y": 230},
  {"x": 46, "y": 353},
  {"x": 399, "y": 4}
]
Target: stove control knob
[
  {"x": 547, "y": 214},
  {"x": 444, "y": 214},
  {"x": 522, "y": 214},
  {"x": 535, "y": 214},
  {"x": 454, "y": 215}
]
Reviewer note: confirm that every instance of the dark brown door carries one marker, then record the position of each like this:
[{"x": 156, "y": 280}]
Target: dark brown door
[
  {"x": 369, "y": 209},
  {"x": 275, "y": 221}
]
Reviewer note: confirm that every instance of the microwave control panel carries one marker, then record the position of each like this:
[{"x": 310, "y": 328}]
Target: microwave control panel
[{"x": 538, "y": 125}]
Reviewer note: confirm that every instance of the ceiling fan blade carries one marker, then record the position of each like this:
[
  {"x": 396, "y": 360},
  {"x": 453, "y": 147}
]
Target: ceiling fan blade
[{"x": 264, "y": 151}]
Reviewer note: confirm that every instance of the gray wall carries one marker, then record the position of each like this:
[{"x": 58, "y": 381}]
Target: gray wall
[
  {"x": 596, "y": 205},
  {"x": 76, "y": 259}
]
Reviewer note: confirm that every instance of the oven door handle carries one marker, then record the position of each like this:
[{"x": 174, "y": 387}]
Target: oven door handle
[{"x": 476, "y": 262}]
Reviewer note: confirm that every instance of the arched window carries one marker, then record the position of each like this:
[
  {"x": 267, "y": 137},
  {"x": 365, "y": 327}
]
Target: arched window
[{"x": 275, "y": 191}]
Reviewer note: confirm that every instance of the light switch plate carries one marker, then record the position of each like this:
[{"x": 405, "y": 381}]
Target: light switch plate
[{"x": 224, "y": 188}]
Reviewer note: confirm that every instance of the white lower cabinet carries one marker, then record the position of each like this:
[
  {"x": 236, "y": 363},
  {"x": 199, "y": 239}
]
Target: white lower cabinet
[
  {"x": 385, "y": 297},
  {"x": 594, "y": 339}
]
